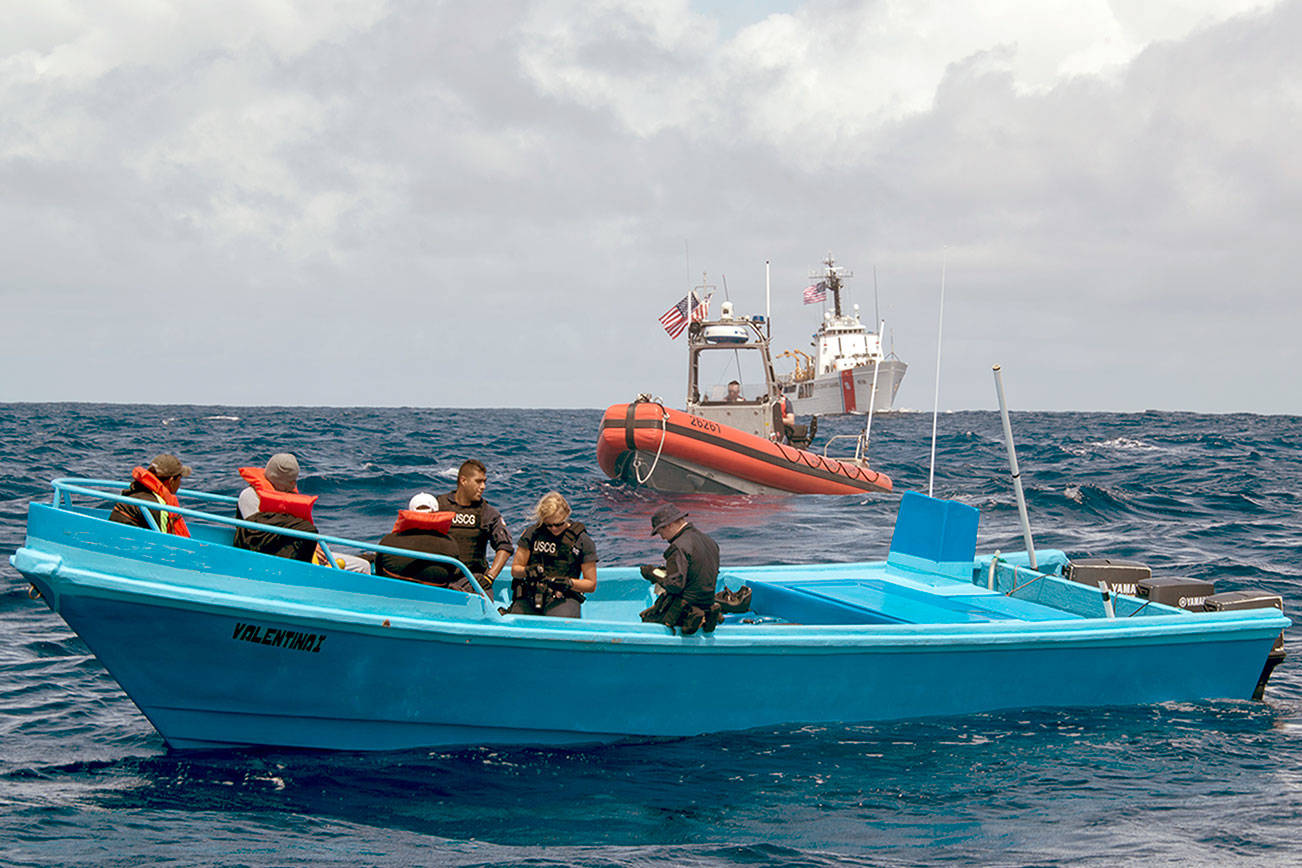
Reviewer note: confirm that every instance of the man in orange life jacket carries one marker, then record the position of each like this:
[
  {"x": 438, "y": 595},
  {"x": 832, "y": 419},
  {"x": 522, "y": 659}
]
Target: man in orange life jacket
[
  {"x": 157, "y": 483},
  {"x": 281, "y": 473},
  {"x": 422, "y": 527},
  {"x": 278, "y": 507},
  {"x": 477, "y": 525}
]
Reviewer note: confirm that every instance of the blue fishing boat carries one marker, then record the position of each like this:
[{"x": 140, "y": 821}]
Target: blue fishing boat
[{"x": 221, "y": 647}]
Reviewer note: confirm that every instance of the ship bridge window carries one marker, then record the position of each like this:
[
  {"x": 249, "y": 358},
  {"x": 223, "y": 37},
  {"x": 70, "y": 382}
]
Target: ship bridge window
[{"x": 716, "y": 368}]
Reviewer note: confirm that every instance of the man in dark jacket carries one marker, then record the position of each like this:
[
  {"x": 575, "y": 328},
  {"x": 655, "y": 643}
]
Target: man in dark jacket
[
  {"x": 477, "y": 525},
  {"x": 422, "y": 539},
  {"x": 282, "y": 474},
  {"x": 688, "y": 577},
  {"x": 268, "y": 542},
  {"x": 155, "y": 484}
]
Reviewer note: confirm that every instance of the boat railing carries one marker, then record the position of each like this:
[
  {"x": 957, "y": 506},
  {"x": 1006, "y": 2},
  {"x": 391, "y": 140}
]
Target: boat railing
[
  {"x": 858, "y": 448},
  {"x": 65, "y": 487}
]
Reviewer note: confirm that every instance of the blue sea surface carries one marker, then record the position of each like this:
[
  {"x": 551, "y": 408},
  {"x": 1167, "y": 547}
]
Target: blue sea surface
[{"x": 84, "y": 778}]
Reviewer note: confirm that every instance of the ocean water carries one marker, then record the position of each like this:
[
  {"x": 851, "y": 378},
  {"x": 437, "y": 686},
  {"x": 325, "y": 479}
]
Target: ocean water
[{"x": 84, "y": 779}]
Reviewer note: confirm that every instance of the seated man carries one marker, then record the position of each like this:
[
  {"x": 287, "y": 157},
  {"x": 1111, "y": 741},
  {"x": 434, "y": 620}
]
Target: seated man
[
  {"x": 157, "y": 483},
  {"x": 784, "y": 421},
  {"x": 422, "y": 528},
  {"x": 277, "y": 508},
  {"x": 281, "y": 471},
  {"x": 734, "y": 393},
  {"x": 281, "y": 475}
]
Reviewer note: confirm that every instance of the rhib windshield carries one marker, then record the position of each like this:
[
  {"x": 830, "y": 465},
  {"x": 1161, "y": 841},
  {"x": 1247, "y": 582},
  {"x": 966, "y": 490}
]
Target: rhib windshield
[{"x": 719, "y": 366}]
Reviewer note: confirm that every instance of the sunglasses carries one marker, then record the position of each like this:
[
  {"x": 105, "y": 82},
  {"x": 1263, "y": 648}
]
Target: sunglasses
[{"x": 556, "y": 523}]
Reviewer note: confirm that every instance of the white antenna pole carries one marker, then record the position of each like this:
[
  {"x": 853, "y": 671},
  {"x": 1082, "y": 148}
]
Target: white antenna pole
[
  {"x": 935, "y": 412},
  {"x": 872, "y": 397},
  {"x": 877, "y": 311},
  {"x": 1016, "y": 471},
  {"x": 768, "y": 301}
]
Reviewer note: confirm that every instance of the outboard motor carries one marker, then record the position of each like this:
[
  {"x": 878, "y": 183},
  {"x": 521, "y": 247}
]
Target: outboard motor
[
  {"x": 1229, "y": 601},
  {"x": 1121, "y": 576},
  {"x": 1175, "y": 591}
]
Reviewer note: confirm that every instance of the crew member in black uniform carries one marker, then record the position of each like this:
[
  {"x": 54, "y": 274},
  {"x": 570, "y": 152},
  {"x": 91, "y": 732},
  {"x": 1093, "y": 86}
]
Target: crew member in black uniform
[
  {"x": 688, "y": 576},
  {"x": 555, "y": 563},
  {"x": 421, "y": 537},
  {"x": 477, "y": 525}
]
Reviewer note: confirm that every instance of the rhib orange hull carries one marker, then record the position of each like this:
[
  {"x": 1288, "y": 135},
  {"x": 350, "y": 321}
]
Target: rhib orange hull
[{"x": 669, "y": 450}]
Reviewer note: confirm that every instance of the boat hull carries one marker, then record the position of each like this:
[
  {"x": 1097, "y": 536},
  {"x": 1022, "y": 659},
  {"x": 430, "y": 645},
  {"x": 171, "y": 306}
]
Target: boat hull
[
  {"x": 647, "y": 444},
  {"x": 219, "y": 647},
  {"x": 848, "y": 392},
  {"x": 387, "y": 688}
]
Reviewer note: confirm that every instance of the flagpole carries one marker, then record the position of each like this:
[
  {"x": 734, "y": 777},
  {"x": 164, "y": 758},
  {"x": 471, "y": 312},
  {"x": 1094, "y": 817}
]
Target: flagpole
[
  {"x": 877, "y": 313},
  {"x": 940, "y": 332},
  {"x": 768, "y": 301}
]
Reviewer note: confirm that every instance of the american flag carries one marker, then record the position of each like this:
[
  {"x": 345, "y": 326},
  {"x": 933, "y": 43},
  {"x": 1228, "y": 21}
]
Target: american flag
[
  {"x": 701, "y": 310},
  {"x": 676, "y": 318},
  {"x": 816, "y": 293}
]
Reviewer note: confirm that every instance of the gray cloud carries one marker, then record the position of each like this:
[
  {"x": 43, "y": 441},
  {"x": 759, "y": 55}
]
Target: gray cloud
[{"x": 437, "y": 206}]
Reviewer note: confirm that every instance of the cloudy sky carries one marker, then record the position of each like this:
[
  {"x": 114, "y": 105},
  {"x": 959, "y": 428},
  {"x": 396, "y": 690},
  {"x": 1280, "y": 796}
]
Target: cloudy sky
[{"x": 490, "y": 204}]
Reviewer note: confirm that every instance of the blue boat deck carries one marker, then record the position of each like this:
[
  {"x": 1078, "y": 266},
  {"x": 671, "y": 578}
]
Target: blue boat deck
[{"x": 877, "y": 597}]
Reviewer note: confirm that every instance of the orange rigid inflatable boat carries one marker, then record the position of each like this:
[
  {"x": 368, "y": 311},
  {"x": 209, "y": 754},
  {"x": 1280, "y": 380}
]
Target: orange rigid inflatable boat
[
  {"x": 646, "y": 443},
  {"x": 736, "y": 433}
]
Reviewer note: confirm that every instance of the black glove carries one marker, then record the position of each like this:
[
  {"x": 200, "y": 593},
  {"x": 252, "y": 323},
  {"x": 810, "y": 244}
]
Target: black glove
[
  {"x": 484, "y": 581},
  {"x": 560, "y": 583},
  {"x": 652, "y": 573},
  {"x": 534, "y": 572}
]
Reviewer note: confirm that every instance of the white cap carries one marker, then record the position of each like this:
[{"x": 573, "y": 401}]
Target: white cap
[{"x": 424, "y": 501}]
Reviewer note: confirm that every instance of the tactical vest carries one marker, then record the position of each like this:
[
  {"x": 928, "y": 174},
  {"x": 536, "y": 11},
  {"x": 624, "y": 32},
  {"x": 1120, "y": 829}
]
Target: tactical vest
[
  {"x": 559, "y": 556},
  {"x": 469, "y": 531}
]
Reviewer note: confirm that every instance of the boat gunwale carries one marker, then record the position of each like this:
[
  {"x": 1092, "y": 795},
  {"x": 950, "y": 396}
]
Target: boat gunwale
[
  {"x": 78, "y": 485},
  {"x": 836, "y": 638},
  {"x": 488, "y": 623}
]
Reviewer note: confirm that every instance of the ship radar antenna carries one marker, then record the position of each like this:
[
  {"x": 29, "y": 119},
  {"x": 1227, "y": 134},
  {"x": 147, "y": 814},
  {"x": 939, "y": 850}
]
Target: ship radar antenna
[
  {"x": 705, "y": 286},
  {"x": 703, "y": 292},
  {"x": 832, "y": 275}
]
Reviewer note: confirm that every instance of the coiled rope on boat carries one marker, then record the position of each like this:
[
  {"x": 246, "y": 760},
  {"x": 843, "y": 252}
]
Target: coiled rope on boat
[{"x": 664, "y": 420}]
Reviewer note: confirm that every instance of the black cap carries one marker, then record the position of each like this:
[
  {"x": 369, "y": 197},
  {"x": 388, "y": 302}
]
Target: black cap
[{"x": 667, "y": 514}]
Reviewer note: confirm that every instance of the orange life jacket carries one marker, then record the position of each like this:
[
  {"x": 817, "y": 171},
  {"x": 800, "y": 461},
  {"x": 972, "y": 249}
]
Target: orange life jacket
[
  {"x": 167, "y": 522},
  {"x": 271, "y": 499},
  {"x": 420, "y": 519}
]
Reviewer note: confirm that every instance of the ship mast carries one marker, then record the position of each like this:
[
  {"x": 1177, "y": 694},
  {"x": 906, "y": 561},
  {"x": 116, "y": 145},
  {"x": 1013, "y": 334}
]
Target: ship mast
[{"x": 832, "y": 275}]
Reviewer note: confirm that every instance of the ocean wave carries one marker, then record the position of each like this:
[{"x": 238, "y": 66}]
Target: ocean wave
[{"x": 86, "y": 779}]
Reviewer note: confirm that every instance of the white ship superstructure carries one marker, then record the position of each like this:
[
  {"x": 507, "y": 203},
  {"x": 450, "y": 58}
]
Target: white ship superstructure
[{"x": 839, "y": 377}]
